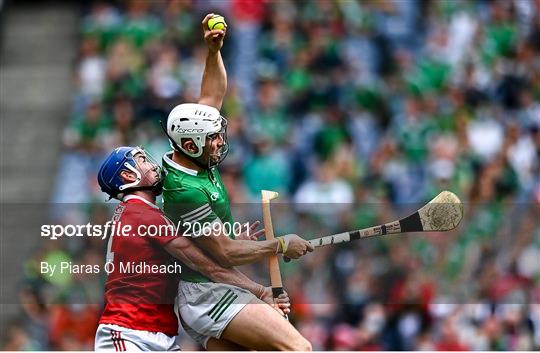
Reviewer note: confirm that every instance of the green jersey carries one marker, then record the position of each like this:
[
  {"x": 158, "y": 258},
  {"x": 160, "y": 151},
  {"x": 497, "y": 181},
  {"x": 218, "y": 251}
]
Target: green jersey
[{"x": 194, "y": 201}]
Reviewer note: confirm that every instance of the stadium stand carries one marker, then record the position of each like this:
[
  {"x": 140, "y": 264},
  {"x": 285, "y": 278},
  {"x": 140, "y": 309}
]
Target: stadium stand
[{"x": 35, "y": 89}]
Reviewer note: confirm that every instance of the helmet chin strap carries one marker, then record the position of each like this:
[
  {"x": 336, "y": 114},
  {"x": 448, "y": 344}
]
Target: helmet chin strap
[{"x": 156, "y": 187}]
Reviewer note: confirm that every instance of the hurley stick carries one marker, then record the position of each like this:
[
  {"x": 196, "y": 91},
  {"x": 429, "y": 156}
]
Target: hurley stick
[{"x": 273, "y": 263}]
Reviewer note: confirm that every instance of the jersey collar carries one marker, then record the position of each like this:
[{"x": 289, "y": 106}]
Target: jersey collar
[
  {"x": 175, "y": 165},
  {"x": 131, "y": 197}
]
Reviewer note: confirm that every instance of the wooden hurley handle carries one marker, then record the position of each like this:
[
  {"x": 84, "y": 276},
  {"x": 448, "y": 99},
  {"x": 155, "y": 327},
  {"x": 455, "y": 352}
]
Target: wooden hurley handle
[
  {"x": 273, "y": 263},
  {"x": 275, "y": 274}
]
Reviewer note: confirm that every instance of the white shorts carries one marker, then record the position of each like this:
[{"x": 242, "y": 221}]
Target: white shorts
[
  {"x": 116, "y": 338},
  {"x": 207, "y": 308}
]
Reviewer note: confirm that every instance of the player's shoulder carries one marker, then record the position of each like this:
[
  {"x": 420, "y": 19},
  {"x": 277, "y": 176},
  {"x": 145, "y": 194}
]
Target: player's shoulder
[
  {"x": 137, "y": 211},
  {"x": 139, "y": 215},
  {"x": 177, "y": 175},
  {"x": 158, "y": 217},
  {"x": 179, "y": 179},
  {"x": 185, "y": 193}
]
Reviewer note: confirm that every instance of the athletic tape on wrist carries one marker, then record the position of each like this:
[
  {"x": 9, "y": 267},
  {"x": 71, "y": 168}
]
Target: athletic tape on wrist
[
  {"x": 286, "y": 239},
  {"x": 283, "y": 244}
]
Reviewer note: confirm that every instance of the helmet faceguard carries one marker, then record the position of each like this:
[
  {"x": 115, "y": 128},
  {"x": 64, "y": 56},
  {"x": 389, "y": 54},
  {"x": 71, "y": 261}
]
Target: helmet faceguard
[
  {"x": 132, "y": 159},
  {"x": 223, "y": 150},
  {"x": 157, "y": 185}
]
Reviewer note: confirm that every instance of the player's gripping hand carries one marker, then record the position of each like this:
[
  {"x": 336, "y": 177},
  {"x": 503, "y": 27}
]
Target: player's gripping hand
[
  {"x": 292, "y": 246},
  {"x": 282, "y": 304},
  {"x": 213, "y": 38}
]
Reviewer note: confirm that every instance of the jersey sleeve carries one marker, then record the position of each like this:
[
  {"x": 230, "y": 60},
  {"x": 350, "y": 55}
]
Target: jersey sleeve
[{"x": 190, "y": 210}]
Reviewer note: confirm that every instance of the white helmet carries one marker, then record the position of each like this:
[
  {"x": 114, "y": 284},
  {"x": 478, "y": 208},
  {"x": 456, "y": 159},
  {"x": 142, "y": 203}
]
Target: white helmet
[{"x": 195, "y": 121}]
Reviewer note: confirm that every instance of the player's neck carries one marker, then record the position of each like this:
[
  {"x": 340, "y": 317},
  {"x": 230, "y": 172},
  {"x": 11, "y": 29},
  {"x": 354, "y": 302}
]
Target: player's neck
[
  {"x": 185, "y": 162},
  {"x": 148, "y": 195}
]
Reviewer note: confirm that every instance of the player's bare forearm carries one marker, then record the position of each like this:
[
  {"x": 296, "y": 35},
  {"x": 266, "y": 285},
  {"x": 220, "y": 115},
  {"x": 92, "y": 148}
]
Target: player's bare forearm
[
  {"x": 183, "y": 249},
  {"x": 242, "y": 252},
  {"x": 236, "y": 278},
  {"x": 228, "y": 252},
  {"x": 214, "y": 82}
]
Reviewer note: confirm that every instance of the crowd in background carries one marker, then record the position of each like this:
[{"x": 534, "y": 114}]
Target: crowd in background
[{"x": 356, "y": 112}]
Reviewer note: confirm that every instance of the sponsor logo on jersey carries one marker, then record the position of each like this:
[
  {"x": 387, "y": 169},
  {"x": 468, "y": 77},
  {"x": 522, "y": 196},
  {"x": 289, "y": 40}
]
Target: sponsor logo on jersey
[{"x": 214, "y": 196}]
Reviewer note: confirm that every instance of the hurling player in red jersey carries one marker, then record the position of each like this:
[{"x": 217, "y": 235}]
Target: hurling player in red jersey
[{"x": 142, "y": 275}]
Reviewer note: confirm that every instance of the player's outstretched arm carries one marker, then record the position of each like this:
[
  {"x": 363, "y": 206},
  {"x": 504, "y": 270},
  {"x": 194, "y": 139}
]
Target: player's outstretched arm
[
  {"x": 229, "y": 252},
  {"x": 191, "y": 209},
  {"x": 214, "y": 81}
]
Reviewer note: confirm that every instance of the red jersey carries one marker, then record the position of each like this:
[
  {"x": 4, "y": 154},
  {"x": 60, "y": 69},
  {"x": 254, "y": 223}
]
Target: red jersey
[{"x": 138, "y": 295}]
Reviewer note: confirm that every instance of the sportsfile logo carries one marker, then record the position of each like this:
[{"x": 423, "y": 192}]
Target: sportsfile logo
[{"x": 114, "y": 228}]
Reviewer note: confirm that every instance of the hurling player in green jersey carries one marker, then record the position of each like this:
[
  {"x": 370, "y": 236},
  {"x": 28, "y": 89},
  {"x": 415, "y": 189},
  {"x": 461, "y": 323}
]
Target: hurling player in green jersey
[{"x": 218, "y": 315}]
